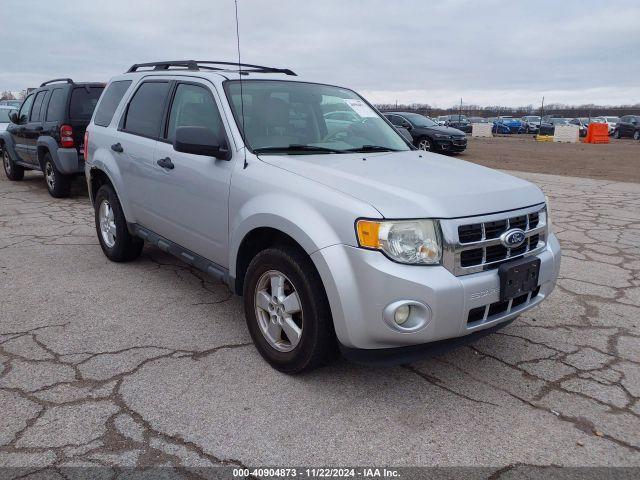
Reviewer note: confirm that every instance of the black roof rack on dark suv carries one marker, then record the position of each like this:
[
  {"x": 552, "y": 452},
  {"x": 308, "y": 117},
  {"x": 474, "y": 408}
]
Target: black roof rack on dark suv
[
  {"x": 204, "y": 65},
  {"x": 66, "y": 80}
]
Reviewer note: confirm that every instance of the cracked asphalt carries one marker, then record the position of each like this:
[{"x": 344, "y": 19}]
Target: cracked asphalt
[{"x": 149, "y": 363}]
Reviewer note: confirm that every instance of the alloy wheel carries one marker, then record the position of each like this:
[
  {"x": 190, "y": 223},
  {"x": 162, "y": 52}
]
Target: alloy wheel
[
  {"x": 424, "y": 144},
  {"x": 278, "y": 311},
  {"x": 49, "y": 176},
  {"x": 107, "y": 224},
  {"x": 636, "y": 135}
]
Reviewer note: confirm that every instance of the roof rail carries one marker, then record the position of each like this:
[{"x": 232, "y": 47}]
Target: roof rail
[
  {"x": 197, "y": 65},
  {"x": 66, "y": 80}
]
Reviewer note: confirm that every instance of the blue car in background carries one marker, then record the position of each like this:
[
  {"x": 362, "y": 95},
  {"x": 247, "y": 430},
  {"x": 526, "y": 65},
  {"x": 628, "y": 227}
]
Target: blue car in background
[
  {"x": 498, "y": 126},
  {"x": 514, "y": 125}
]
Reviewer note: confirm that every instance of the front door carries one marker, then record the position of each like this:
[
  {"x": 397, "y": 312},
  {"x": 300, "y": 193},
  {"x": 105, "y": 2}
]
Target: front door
[
  {"x": 33, "y": 128},
  {"x": 18, "y": 131},
  {"x": 192, "y": 199}
]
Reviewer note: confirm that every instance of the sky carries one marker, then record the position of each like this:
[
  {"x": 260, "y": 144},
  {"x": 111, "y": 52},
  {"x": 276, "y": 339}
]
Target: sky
[{"x": 411, "y": 51}]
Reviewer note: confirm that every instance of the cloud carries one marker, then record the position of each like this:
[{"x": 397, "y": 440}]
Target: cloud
[{"x": 413, "y": 51}]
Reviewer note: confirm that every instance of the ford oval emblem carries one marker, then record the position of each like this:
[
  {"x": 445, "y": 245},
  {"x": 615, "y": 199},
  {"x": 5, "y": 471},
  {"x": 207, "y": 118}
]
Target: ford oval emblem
[{"x": 513, "y": 238}]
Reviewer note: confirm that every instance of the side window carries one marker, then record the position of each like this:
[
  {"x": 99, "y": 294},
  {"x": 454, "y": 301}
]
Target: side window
[
  {"x": 26, "y": 109},
  {"x": 110, "y": 100},
  {"x": 395, "y": 120},
  {"x": 37, "y": 106},
  {"x": 55, "y": 110},
  {"x": 144, "y": 114},
  {"x": 624, "y": 119},
  {"x": 194, "y": 106}
]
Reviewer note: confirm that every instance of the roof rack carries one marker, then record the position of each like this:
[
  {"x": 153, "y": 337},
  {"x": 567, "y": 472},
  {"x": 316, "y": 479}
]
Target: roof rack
[
  {"x": 197, "y": 65},
  {"x": 66, "y": 80}
]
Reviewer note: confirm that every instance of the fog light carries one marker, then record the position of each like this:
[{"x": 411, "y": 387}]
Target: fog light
[{"x": 402, "y": 314}]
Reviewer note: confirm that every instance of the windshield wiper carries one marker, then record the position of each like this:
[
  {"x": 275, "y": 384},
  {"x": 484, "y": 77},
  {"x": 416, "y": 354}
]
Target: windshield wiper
[
  {"x": 370, "y": 148},
  {"x": 296, "y": 148}
]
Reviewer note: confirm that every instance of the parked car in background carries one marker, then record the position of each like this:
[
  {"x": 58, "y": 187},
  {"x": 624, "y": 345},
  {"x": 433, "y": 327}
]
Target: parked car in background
[
  {"x": 478, "y": 120},
  {"x": 461, "y": 122},
  {"x": 427, "y": 134},
  {"x": 353, "y": 241},
  {"x": 611, "y": 121},
  {"x": 339, "y": 120},
  {"x": 5, "y": 111},
  {"x": 531, "y": 123},
  {"x": 47, "y": 133},
  {"x": 441, "y": 120},
  {"x": 513, "y": 124},
  {"x": 582, "y": 123},
  {"x": 548, "y": 126},
  {"x": 11, "y": 103},
  {"x": 498, "y": 128},
  {"x": 628, "y": 126}
]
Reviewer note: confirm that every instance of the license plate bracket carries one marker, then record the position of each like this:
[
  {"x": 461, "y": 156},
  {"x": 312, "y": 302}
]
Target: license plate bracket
[{"x": 518, "y": 277}]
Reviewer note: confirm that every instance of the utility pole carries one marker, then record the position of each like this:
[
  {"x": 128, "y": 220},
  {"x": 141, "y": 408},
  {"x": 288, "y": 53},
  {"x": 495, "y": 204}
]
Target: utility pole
[{"x": 541, "y": 114}]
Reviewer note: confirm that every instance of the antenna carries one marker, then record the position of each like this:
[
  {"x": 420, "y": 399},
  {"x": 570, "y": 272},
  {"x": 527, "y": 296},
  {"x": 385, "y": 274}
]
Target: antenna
[{"x": 241, "y": 92}]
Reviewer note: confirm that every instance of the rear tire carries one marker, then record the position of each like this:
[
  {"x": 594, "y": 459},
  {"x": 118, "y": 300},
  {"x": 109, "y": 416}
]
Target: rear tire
[
  {"x": 59, "y": 185},
  {"x": 13, "y": 172},
  {"x": 424, "y": 144},
  {"x": 111, "y": 226},
  {"x": 287, "y": 348}
]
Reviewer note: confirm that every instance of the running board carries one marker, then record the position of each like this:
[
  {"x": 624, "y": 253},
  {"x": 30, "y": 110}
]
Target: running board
[{"x": 207, "y": 266}]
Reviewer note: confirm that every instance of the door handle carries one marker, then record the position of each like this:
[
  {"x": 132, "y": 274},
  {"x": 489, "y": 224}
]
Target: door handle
[
  {"x": 116, "y": 147},
  {"x": 166, "y": 163}
]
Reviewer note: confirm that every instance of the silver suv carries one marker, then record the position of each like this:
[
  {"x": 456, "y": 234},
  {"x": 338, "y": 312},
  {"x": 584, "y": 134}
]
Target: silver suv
[{"x": 335, "y": 229}]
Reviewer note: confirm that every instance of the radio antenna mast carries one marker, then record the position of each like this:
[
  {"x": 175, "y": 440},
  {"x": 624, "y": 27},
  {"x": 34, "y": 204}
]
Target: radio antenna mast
[{"x": 241, "y": 92}]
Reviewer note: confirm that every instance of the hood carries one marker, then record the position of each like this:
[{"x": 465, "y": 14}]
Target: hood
[
  {"x": 414, "y": 184},
  {"x": 441, "y": 129}
]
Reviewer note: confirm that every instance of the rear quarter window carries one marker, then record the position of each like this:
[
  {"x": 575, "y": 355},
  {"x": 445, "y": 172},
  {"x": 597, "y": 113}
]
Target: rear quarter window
[
  {"x": 55, "y": 110},
  {"x": 83, "y": 102},
  {"x": 110, "y": 101}
]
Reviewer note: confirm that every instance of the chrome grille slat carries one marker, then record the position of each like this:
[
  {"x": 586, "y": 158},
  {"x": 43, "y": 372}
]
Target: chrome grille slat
[{"x": 486, "y": 254}]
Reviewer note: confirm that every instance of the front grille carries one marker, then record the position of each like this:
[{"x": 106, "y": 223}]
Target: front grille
[{"x": 473, "y": 244}]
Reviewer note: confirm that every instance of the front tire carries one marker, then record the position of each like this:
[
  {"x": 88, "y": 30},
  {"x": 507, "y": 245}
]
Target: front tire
[
  {"x": 616, "y": 134},
  {"x": 58, "y": 184},
  {"x": 12, "y": 171},
  {"x": 111, "y": 226},
  {"x": 636, "y": 135},
  {"x": 287, "y": 311},
  {"x": 424, "y": 144}
]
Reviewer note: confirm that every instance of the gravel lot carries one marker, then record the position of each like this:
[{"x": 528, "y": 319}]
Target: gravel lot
[{"x": 149, "y": 363}]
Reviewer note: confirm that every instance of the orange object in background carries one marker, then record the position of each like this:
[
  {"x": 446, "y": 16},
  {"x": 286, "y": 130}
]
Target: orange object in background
[{"x": 597, "y": 133}]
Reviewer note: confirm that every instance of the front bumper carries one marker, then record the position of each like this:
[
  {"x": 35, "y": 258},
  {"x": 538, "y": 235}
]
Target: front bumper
[
  {"x": 361, "y": 283},
  {"x": 451, "y": 145}
]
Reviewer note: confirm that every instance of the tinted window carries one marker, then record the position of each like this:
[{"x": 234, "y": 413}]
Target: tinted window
[
  {"x": 84, "y": 101},
  {"x": 110, "y": 101},
  {"x": 194, "y": 106},
  {"x": 37, "y": 106},
  {"x": 26, "y": 108},
  {"x": 55, "y": 110},
  {"x": 144, "y": 114}
]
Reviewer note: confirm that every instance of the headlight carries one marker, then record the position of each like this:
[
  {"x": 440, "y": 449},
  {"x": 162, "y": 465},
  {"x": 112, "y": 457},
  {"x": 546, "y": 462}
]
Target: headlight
[
  {"x": 442, "y": 135},
  {"x": 408, "y": 241}
]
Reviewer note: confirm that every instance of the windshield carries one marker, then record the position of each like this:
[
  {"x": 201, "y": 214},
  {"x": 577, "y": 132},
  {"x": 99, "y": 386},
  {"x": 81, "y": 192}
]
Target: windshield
[
  {"x": 302, "y": 118},
  {"x": 613, "y": 119},
  {"x": 4, "y": 115},
  {"x": 559, "y": 121},
  {"x": 532, "y": 119},
  {"x": 419, "y": 120}
]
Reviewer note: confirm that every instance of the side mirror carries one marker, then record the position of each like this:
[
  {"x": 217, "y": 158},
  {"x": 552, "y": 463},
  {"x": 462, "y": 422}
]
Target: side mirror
[
  {"x": 13, "y": 116},
  {"x": 406, "y": 126},
  {"x": 200, "y": 141}
]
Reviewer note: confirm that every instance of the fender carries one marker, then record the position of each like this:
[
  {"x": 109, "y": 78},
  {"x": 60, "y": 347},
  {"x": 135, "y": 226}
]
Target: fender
[
  {"x": 66, "y": 160},
  {"x": 292, "y": 215},
  {"x": 103, "y": 160},
  {"x": 9, "y": 145}
]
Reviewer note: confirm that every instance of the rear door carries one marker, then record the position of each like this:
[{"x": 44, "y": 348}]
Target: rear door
[
  {"x": 17, "y": 131},
  {"x": 624, "y": 126},
  {"x": 134, "y": 151},
  {"x": 33, "y": 128},
  {"x": 82, "y": 103},
  {"x": 190, "y": 203}
]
